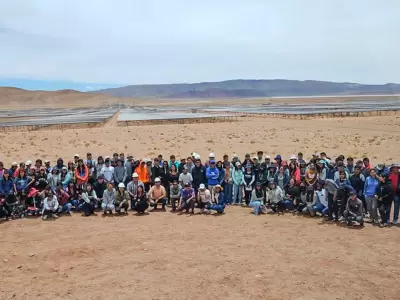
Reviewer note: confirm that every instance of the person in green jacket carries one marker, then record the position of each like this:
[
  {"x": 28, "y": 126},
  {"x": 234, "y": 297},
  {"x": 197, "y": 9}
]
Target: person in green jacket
[{"x": 238, "y": 181}]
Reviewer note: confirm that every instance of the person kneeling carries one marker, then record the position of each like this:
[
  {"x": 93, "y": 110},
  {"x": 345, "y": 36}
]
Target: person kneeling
[
  {"x": 320, "y": 201},
  {"x": 50, "y": 206},
  {"x": 275, "y": 197},
  {"x": 121, "y": 199},
  {"x": 354, "y": 210},
  {"x": 90, "y": 200},
  {"x": 187, "y": 199},
  {"x": 141, "y": 203},
  {"x": 218, "y": 201},
  {"x": 108, "y": 199},
  {"x": 157, "y": 194},
  {"x": 257, "y": 200},
  {"x": 204, "y": 199}
]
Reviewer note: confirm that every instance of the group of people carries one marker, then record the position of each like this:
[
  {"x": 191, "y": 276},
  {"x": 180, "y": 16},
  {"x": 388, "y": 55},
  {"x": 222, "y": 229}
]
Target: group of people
[{"x": 341, "y": 189}]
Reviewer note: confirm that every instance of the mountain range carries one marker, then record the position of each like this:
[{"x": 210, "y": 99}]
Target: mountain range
[{"x": 251, "y": 88}]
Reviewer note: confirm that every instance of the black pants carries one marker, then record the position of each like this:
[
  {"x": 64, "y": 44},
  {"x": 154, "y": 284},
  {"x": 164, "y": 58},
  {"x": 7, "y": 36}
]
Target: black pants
[
  {"x": 277, "y": 207},
  {"x": 3, "y": 212},
  {"x": 310, "y": 195},
  {"x": 88, "y": 208},
  {"x": 247, "y": 197},
  {"x": 384, "y": 210},
  {"x": 124, "y": 206},
  {"x": 188, "y": 205},
  {"x": 173, "y": 203},
  {"x": 331, "y": 206},
  {"x": 48, "y": 212},
  {"x": 141, "y": 206}
]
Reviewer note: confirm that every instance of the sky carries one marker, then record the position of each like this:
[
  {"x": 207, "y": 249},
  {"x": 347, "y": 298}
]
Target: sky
[{"x": 153, "y": 41}]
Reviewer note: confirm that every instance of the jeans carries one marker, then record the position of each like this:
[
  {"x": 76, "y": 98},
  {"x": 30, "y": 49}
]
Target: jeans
[
  {"x": 228, "y": 192},
  {"x": 75, "y": 203},
  {"x": 237, "y": 194},
  {"x": 256, "y": 206},
  {"x": 396, "y": 209},
  {"x": 288, "y": 204},
  {"x": 320, "y": 208},
  {"x": 372, "y": 206},
  {"x": 66, "y": 207},
  {"x": 163, "y": 202},
  {"x": 247, "y": 196}
]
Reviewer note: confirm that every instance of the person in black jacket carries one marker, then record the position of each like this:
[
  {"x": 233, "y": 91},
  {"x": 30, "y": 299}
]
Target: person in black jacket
[
  {"x": 357, "y": 181},
  {"x": 384, "y": 195},
  {"x": 99, "y": 187},
  {"x": 199, "y": 175}
]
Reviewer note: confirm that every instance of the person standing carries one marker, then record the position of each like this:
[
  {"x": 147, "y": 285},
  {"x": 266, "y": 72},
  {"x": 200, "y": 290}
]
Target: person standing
[
  {"x": 371, "y": 184},
  {"x": 384, "y": 196},
  {"x": 394, "y": 177},
  {"x": 212, "y": 174}
]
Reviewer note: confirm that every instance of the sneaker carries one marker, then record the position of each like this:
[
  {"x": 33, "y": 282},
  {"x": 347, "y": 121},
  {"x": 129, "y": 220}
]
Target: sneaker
[
  {"x": 395, "y": 222},
  {"x": 69, "y": 213},
  {"x": 341, "y": 219},
  {"x": 385, "y": 224},
  {"x": 362, "y": 224},
  {"x": 44, "y": 217},
  {"x": 381, "y": 225},
  {"x": 54, "y": 216}
]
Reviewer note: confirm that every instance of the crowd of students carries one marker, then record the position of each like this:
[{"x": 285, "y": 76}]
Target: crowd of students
[{"x": 340, "y": 189}]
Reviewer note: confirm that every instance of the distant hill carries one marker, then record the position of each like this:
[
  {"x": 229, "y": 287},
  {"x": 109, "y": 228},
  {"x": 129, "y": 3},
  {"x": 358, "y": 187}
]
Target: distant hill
[{"x": 250, "y": 88}]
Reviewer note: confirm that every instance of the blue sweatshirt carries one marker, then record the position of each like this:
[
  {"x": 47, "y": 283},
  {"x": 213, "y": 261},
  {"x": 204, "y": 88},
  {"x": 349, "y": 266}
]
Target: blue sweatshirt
[
  {"x": 6, "y": 187},
  {"x": 370, "y": 186},
  {"x": 212, "y": 175}
]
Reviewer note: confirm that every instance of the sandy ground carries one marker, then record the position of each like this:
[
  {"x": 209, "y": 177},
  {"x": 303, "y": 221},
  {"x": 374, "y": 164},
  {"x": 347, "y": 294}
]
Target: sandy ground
[
  {"x": 166, "y": 256},
  {"x": 375, "y": 137},
  {"x": 233, "y": 256}
]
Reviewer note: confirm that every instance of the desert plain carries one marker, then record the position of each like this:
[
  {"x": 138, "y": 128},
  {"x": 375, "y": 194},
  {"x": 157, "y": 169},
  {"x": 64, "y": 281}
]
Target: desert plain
[{"x": 168, "y": 256}]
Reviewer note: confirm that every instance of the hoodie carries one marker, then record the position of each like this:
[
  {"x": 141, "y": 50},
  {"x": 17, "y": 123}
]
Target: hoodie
[
  {"x": 6, "y": 186},
  {"x": 82, "y": 175},
  {"x": 53, "y": 180},
  {"x": 50, "y": 203},
  {"x": 384, "y": 191},
  {"x": 275, "y": 195},
  {"x": 237, "y": 177},
  {"x": 144, "y": 176}
]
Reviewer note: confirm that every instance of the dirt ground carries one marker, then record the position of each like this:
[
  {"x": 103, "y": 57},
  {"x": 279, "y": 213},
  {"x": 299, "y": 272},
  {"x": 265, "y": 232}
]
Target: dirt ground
[{"x": 167, "y": 256}]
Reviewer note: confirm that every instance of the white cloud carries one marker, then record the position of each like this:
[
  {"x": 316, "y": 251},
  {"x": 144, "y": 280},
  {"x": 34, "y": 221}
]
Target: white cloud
[{"x": 129, "y": 41}]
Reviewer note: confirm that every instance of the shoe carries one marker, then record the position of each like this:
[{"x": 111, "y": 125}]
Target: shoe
[
  {"x": 395, "y": 222},
  {"x": 54, "y": 216},
  {"x": 385, "y": 224},
  {"x": 70, "y": 213},
  {"x": 330, "y": 219},
  {"x": 341, "y": 219},
  {"x": 381, "y": 225},
  {"x": 362, "y": 224},
  {"x": 44, "y": 217}
]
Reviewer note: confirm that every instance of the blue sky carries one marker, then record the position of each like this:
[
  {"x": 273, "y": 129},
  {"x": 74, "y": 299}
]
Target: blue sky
[{"x": 154, "y": 41}]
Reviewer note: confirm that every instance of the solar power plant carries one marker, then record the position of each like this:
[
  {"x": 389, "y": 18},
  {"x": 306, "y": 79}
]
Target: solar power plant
[
  {"x": 142, "y": 115},
  {"x": 56, "y": 116}
]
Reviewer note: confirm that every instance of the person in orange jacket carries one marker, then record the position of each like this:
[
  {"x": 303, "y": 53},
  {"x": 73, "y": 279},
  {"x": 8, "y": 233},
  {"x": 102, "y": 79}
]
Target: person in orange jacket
[
  {"x": 81, "y": 173},
  {"x": 144, "y": 175}
]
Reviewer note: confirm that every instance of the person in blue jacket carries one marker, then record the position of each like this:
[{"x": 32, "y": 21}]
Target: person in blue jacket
[
  {"x": 370, "y": 186},
  {"x": 212, "y": 175}
]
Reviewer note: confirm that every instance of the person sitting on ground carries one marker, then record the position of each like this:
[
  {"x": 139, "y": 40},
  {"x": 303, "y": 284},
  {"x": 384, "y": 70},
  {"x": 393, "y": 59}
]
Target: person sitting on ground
[
  {"x": 188, "y": 199},
  {"x": 218, "y": 202},
  {"x": 292, "y": 195},
  {"x": 132, "y": 188},
  {"x": 257, "y": 199},
  {"x": 73, "y": 195},
  {"x": 107, "y": 204},
  {"x": 204, "y": 199},
  {"x": 63, "y": 200},
  {"x": 354, "y": 210},
  {"x": 50, "y": 206},
  {"x": 175, "y": 194},
  {"x": 90, "y": 200},
  {"x": 141, "y": 203},
  {"x": 275, "y": 197},
  {"x": 121, "y": 199},
  {"x": 320, "y": 199},
  {"x": 157, "y": 193},
  {"x": 384, "y": 196}
]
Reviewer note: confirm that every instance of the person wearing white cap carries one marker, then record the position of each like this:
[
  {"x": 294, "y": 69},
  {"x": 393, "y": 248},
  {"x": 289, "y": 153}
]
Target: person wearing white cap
[
  {"x": 260, "y": 157},
  {"x": 157, "y": 193},
  {"x": 204, "y": 199},
  {"x": 293, "y": 158},
  {"x": 76, "y": 158},
  {"x": 121, "y": 199},
  {"x": 108, "y": 199},
  {"x": 132, "y": 189}
]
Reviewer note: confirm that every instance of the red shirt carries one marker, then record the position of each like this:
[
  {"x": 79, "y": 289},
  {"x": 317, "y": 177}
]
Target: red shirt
[{"x": 395, "y": 181}]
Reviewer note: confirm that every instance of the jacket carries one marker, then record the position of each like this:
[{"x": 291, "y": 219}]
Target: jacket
[
  {"x": 119, "y": 174},
  {"x": 370, "y": 186},
  {"x": 82, "y": 177},
  {"x": 121, "y": 197},
  {"x": 285, "y": 180},
  {"x": 99, "y": 188},
  {"x": 63, "y": 197},
  {"x": 199, "y": 176},
  {"x": 50, "y": 204},
  {"x": 89, "y": 197},
  {"x": 143, "y": 173},
  {"x": 6, "y": 186},
  {"x": 357, "y": 182},
  {"x": 65, "y": 180},
  {"x": 221, "y": 177},
  {"x": 109, "y": 197},
  {"x": 275, "y": 195},
  {"x": 385, "y": 193},
  {"x": 212, "y": 175},
  {"x": 237, "y": 177}
]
